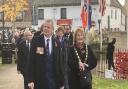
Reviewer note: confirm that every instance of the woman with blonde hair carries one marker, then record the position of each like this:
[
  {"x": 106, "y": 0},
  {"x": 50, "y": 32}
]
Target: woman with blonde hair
[{"x": 81, "y": 58}]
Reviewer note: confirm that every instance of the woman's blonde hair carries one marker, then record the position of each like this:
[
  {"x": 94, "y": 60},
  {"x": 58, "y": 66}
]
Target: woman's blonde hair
[{"x": 76, "y": 31}]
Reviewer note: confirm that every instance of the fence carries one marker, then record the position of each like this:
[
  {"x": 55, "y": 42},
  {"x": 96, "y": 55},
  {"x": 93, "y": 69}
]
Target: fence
[{"x": 120, "y": 62}]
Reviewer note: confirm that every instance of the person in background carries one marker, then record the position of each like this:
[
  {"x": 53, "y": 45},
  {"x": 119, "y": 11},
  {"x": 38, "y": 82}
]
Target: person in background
[
  {"x": 23, "y": 55},
  {"x": 68, "y": 36},
  {"x": 18, "y": 37},
  {"x": 110, "y": 51},
  {"x": 42, "y": 62},
  {"x": 86, "y": 61},
  {"x": 60, "y": 37},
  {"x": 61, "y": 52}
]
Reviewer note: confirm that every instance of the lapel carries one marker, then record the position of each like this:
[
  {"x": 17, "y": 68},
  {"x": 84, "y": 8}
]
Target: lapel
[
  {"x": 53, "y": 44},
  {"x": 42, "y": 41}
]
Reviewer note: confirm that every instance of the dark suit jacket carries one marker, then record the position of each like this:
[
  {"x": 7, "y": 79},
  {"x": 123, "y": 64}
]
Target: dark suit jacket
[
  {"x": 74, "y": 67},
  {"x": 22, "y": 53},
  {"x": 61, "y": 61},
  {"x": 69, "y": 39},
  {"x": 38, "y": 33},
  {"x": 37, "y": 62}
]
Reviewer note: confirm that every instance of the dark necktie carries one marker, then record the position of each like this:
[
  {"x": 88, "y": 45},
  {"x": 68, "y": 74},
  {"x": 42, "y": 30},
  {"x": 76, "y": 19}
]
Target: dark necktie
[{"x": 47, "y": 47}]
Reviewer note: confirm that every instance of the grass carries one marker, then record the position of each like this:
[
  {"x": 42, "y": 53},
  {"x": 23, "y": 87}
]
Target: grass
[{"x": 101, "y": 83}]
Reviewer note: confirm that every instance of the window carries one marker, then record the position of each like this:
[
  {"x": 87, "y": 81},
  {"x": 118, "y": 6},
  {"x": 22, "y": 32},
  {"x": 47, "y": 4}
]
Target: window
[
  {"x": 40, "y": 14},
  {"x": 115, "y": 14},
  {"x": 111, "y": 14},
  {"x": 20, "y": 17},
  {"x": 63, "y": 13}
]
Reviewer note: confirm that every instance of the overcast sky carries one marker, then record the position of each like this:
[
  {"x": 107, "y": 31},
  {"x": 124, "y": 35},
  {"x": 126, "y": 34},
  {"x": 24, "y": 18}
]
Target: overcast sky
[{"x": 122, "y": 2}]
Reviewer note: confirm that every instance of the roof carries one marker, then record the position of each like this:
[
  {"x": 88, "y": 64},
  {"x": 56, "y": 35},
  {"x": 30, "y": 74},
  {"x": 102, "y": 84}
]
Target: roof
[
  {"x": 17, "y": 24},
  {"x": 50, "y": 3},
  {"x": 115, "y": 3}
]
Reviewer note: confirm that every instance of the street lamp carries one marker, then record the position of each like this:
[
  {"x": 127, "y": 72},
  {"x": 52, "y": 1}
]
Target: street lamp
[
  {"x": 122, "y": 2},
  {"x": 100, "y": 33},
  {"x": 3, "y": 22},
  {"x": 99, "y": 21}
]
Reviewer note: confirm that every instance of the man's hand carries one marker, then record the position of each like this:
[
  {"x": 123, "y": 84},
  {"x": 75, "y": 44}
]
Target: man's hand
[
  {"x": 31, "y": 85},
  {"x": 18, "y": 71},
  {"x": 62, "y": 87}
]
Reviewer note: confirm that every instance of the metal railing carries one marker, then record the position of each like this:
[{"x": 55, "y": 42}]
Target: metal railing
[{"x": 120, "y": 62}]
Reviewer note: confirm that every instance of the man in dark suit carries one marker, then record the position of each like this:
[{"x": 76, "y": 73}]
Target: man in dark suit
[
  {"x": 23, "y": 55},
  {"x": 68, "y": 36},
  {"x": 110, "y": 51},
  {"x": 42, "y": 68}
]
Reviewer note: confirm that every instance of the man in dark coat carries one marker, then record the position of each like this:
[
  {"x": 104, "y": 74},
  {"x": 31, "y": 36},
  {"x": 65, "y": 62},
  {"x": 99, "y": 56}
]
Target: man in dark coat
[
  {"x": 23, "y": 55},
  {"x": 68, "y": 36},
  {"x": 42, "y": 70},
  {"x": 110, "y": 51}
]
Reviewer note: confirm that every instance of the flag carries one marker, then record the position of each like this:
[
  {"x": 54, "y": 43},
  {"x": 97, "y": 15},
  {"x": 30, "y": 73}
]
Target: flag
[
  {"x": 102, "y": 7},
  {"x": 86, "y": 12},
  {"x": 89, "y": 17}
]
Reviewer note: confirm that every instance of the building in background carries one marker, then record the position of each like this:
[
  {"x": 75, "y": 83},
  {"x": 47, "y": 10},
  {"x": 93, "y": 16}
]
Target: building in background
[
  {"x": 23, "y": 19},
  {"x": 65, "y": 9},
  {"x": 67, "y": 12}
]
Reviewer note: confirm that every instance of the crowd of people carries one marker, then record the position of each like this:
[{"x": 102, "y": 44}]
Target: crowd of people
[{"x": 48, "y": 60}]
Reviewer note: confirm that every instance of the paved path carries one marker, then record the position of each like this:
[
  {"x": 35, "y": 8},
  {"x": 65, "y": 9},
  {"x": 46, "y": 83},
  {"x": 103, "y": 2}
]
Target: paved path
[{"x": 9, "y": 79}]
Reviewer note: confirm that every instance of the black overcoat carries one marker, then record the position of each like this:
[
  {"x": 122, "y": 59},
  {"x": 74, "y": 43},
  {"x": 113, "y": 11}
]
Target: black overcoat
[
  {"x": 73, "y": 73},
  {"x": 37, "y": 63},
  {"x": 22, "y": 53}
]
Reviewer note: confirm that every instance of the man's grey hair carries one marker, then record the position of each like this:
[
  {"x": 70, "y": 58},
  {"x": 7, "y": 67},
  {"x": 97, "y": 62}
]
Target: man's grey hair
[{"x": 47, "y": 21}]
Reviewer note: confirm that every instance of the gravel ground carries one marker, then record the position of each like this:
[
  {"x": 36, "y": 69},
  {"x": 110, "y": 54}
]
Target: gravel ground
[{"x": 9, "y": 79}]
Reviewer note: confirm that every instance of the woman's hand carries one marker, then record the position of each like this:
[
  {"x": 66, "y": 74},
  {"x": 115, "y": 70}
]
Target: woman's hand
[{"x": 81, "y": 66}]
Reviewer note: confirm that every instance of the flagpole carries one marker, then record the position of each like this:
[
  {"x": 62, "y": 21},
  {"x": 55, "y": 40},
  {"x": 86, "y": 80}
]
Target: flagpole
[
  {"x": 101, "y": 38},
  {"x": 86, "y": 32},
  {"x": 100, "y": 29}
]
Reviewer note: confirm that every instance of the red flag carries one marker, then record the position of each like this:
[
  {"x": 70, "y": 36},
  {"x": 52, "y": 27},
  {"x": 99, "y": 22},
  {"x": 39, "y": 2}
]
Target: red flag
[
  {"x": 84, "y": 13},
  {"x": 102, "y": 7}
]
